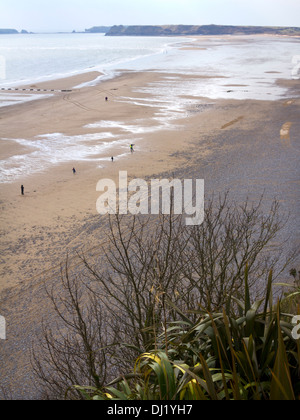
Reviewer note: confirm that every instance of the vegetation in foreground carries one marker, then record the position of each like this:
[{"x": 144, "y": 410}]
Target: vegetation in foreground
[
  {"x": 166, "y": 312},
  {"x": 251, "y": 356}
]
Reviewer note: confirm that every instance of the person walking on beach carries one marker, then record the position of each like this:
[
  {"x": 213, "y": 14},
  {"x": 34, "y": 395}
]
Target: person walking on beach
[
  {"x": 74, "y": 171},
  {"x": 112, "y": 158},
  {"x": 22, "y": 190},
  {"x": 131, "y": 148}
]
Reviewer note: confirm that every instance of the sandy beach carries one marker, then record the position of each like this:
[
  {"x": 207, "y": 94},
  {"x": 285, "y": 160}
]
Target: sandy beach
[
  {"x": 56, "y": 201},
  {"x": 248, "y": 147}
]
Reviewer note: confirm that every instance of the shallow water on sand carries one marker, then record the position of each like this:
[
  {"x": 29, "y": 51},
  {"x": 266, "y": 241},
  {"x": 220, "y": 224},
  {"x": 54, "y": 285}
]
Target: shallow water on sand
[{"x": 192, "y": 69}]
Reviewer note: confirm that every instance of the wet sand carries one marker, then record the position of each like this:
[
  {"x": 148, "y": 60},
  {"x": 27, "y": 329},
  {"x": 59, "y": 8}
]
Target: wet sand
[{"x": 247, "y": 147}]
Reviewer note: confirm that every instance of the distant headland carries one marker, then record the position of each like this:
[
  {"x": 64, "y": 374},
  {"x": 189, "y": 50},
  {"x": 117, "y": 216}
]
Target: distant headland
[
  {"x": 180, "y": 30},
  {"x": 8, "y": 31},
  {"x": 12, "y": 31},
  {"x": 98, "y": 30}
]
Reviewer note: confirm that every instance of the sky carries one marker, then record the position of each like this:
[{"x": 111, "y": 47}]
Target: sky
[{"x": 69, "y": 15}]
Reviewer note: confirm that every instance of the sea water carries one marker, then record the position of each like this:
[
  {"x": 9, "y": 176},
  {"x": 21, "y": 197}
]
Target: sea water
[
  {"x": 217, "y": 67},
  {"x": 255, "y": 62},
  {"x": 39, "y": 57}
]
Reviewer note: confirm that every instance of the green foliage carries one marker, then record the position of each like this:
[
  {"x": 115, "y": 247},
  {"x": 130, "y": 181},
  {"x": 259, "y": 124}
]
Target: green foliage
[
  {"x": 158, "y": 286},
  {"x": 248, "y": 356}
]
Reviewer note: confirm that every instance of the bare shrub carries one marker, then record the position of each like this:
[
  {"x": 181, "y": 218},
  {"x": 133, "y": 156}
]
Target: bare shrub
[{"x": 123, "y": 301}]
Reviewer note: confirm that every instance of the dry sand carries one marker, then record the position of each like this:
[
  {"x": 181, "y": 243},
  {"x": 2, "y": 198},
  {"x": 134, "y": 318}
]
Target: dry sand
[{"x": 249, "y": 147}]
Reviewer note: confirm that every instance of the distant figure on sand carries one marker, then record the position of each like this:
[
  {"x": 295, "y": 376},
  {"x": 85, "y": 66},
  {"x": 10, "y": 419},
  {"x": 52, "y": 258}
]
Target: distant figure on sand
[
  {"x": 112, "y": 158},
  {"x": 131, "y": 148},
  {"x": 106, "y": 99},
  {"x": 22, "y": 190},
  {"x": 74, "y": 171}
]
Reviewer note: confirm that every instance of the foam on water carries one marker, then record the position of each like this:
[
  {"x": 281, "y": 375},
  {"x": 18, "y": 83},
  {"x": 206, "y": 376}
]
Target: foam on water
[
  {"x": 48, "y": 150},
  {"x": 252, "y": 61},
  {"x": 138, "y": 128},
  {"x": 16, "y": 98},
  {"x": 232, "y": 68}
]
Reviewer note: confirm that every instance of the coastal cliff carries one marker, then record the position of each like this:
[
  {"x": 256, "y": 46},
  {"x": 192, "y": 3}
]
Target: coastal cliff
[
  {"x": 8, "y": 31},
  {"x": 180, "y": 30},
  {"x": 98, "y": 30}
]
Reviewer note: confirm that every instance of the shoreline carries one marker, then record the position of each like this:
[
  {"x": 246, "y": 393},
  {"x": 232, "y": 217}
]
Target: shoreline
[
  {"x": 188, "y": 40},
  {"x": 50, "y": 190},
  {"x": 47, "y": 87},
  {"x": 249, "y": 147},
  {"x": 51, "y": 195},
  {"x": 83, "y": 71}
]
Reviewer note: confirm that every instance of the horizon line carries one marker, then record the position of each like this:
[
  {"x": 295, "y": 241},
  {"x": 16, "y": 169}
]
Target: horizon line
[{"x": 50, "y": 31}]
